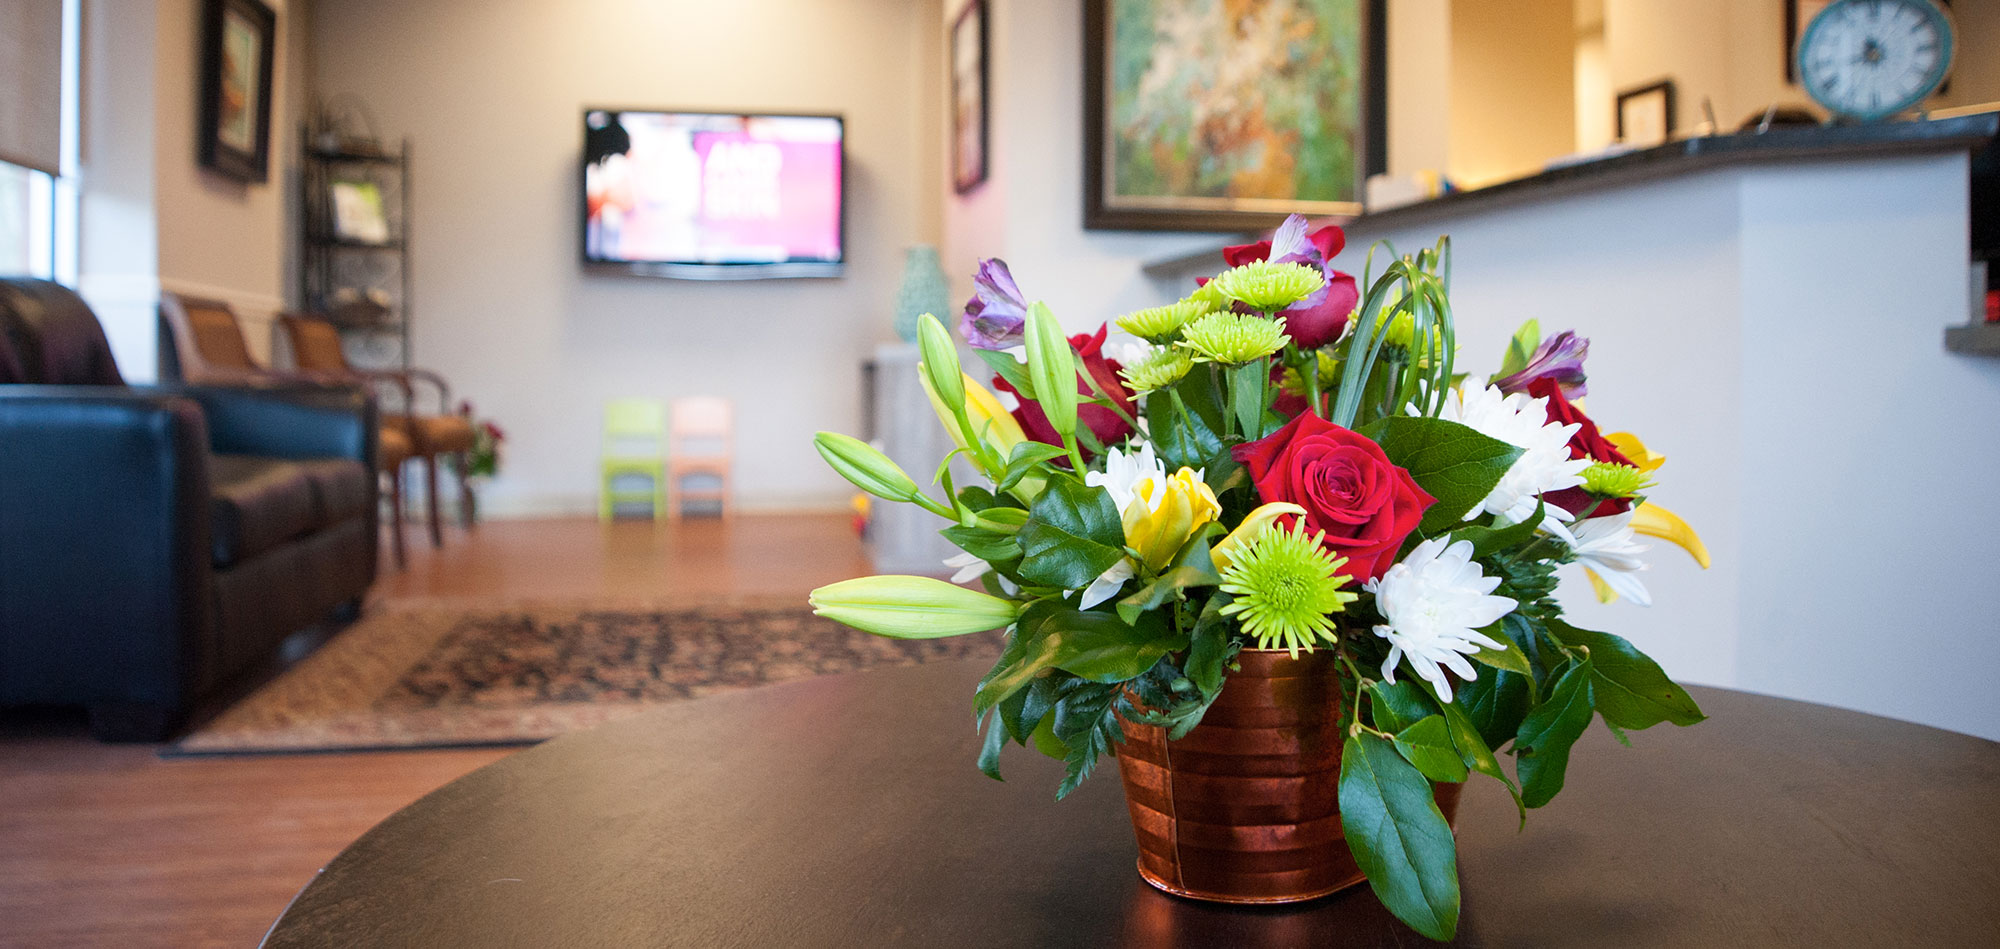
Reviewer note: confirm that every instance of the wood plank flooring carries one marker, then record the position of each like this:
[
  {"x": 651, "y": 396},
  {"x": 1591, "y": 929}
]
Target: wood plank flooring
[{"x": 107, "y": 845}]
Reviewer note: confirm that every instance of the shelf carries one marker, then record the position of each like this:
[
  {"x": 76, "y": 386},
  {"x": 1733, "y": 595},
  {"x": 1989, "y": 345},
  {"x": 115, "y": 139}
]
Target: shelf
[{"x": 1975, "y": 339}]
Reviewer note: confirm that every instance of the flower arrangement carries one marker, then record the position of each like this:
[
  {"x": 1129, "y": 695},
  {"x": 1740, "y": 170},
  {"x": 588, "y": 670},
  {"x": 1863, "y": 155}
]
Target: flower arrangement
[
  {"x": 1283, "y": 463},
  {"x": 484, "y": 459}
]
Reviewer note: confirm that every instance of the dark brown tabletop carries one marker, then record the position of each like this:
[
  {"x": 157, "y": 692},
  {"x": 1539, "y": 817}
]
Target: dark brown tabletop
[{"x": 846, "y": 811}]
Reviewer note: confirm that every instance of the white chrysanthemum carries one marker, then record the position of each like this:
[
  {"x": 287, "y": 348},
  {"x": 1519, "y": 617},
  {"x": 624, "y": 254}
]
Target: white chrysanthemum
[
  {"x": 1544, "y": 465},
  {"x": 1434, "y": 603},
  {"x": 1604, "y": 545}
]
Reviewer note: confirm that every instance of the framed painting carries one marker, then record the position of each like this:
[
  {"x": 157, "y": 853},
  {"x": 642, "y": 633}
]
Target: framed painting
[
  {"x": 1226, "y": 115},
  {"x": 236, "y": 62},
  {"x": 1645, "y": 115},
  {"x": 969, "y": 125}
]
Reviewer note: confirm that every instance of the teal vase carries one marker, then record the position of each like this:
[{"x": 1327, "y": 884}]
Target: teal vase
[{"x": 924, "y": 290}]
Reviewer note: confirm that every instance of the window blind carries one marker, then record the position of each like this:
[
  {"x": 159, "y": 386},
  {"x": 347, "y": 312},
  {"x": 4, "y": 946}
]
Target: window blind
[{"x": 31, "y": 83}]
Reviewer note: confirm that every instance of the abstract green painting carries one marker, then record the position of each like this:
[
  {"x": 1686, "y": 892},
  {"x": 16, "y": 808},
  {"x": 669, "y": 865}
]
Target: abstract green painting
[{"x": 1227, "y": 110}]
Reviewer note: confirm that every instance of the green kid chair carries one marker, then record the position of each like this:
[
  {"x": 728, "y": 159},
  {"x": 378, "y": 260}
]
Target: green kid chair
[{"x": 635, "y": 443}]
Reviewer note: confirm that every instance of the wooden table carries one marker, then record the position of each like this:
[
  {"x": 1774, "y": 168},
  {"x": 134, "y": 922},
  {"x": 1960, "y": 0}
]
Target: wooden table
[{"x": 846, "y": 811}]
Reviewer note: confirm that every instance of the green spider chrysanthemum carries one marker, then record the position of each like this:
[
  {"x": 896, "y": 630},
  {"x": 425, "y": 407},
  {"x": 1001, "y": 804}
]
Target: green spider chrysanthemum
[
  {"x": 1163, "y": 368},
  {"x": 1285, "y": 585},
  {"x": 1161, "y": 324},
  {"x": 1267, "y": 287},
  {"x": 1608, "y": 479},
  {"x": 1233, "y": 337}
]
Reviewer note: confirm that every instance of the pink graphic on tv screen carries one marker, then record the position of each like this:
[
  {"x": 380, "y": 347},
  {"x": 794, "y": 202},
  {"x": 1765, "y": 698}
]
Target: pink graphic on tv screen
[{"x": 680, "y": 188}]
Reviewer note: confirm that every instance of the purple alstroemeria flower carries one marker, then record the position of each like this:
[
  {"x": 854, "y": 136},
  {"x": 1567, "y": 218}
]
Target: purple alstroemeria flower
[
  {"x": 1559, "y": 357},
  {"x": 996, "y": 315}
]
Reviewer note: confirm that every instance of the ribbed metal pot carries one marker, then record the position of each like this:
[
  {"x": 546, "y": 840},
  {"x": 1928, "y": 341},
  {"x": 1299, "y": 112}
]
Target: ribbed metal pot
[{"x": 1246, "y": 807}]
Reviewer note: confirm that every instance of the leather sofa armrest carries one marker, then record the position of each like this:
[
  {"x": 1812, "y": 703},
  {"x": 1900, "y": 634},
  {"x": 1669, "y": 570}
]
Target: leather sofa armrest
[
  {"x": 290, "y": 421},
  {"x": 104, "y": 546}
]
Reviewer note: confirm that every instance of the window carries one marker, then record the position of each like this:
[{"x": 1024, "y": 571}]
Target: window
[
  {"x": 38, "y": 211},
  {"x": 27, "y": 227}
]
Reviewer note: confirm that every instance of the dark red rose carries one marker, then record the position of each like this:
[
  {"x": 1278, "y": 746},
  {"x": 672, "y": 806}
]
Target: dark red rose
[
  {"x": 1586, "y": 443},
  {"x": 1310, "y": 323},
  {"x": 1108, "y": 426},
  {"x": 1349, "y": 488}
]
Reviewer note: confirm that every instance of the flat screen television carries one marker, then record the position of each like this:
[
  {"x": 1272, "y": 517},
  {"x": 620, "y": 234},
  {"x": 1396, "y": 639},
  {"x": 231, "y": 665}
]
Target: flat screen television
[{"x": 712, "y": 195}]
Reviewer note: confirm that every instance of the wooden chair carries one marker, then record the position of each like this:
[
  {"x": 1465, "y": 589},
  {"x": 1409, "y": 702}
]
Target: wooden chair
[
  {"x": 702, "y": 442},
  {"x": 317, "y": 353},
  {"x": 208, "y": 348}
]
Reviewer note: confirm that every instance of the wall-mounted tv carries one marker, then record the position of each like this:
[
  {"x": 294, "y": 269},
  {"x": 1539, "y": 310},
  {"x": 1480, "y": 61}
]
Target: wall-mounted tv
[{"x": 712, "y": 196}]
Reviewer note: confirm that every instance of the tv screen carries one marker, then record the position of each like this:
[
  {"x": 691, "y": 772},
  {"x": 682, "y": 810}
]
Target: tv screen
[{"x": 709, "y": 195}]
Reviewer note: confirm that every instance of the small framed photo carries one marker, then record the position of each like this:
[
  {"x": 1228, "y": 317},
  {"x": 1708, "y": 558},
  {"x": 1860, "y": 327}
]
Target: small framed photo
[
  {"x": 1645, "y": 115},
  {"x": 236, "y": 61},
  {"x": 968, "y": 97}
]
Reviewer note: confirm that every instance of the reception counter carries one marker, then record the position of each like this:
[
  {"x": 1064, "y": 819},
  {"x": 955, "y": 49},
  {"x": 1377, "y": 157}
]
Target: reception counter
[{"x": 1768, "y": 312}]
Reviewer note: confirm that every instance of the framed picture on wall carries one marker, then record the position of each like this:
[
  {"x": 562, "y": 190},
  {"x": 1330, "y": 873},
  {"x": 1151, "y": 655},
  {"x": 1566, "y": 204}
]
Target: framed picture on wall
[
  {"x": 237, "y": 37},
  {"x": 968, "y": 97},
  {"x": 1205, "y": 116},
  {"x": 1645, "y": 115}
]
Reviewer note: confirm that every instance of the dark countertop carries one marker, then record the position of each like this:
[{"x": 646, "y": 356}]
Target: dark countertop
[{"x": 1674, "y": 158}]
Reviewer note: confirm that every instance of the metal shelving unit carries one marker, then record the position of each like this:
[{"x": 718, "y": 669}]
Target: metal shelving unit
[{"x": 361, "y": 286}]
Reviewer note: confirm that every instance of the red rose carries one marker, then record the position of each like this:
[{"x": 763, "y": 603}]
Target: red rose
[
  {"x": 1586, "y": 443},
  {"x": 1311, "y": 327},
  {"x": 1108, "y": 426},
  {"x": 1349, "y": 488}
]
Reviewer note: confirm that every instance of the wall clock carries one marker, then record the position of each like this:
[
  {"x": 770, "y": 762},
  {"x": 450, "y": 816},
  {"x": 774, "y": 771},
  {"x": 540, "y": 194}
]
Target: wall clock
[{"x": 1866, "y": 60}]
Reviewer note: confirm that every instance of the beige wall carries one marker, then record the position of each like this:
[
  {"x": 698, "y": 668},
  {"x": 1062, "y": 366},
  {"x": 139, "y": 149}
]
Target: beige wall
[
  {"x": 491, "y": 96},
  {"x": 1512, "y": 80},
  {"x": 219, "y": 237}
]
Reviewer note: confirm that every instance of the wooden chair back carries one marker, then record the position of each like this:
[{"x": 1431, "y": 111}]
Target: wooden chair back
[
  {"x": 315, "y": 344},
  {"x": 208, "y": 343}
]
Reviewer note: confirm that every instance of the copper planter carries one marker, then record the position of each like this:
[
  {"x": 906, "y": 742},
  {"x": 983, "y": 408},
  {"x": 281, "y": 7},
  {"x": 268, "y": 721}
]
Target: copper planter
[{"x": 1246, "y": 807}]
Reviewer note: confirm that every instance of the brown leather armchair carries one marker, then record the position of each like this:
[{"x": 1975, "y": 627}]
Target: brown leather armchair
[{"x": 316, "y": 351}]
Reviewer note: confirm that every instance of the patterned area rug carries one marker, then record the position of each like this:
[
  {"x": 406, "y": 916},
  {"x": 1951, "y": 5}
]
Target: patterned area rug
[{"x": 430, "y": 677}]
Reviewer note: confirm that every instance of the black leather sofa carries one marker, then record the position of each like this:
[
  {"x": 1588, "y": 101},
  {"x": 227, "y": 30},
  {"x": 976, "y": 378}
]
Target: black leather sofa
[{"x": 154, "y": 543}]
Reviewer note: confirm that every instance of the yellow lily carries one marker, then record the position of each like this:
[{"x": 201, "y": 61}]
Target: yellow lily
[
  {"x": 1631, "y": 447},
  {"x": 1162, "y": 516},
  {"x": 1253, "y": 524},
  {"x": 1653, "y": 520},
  {"x": 991, "y": 423}
]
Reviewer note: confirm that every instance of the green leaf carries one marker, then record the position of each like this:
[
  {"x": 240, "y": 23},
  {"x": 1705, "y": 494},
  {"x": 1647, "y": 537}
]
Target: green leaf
[
  {"x": 1400, "y": 705},
  {"x": 1004, "y": 519},
  {"x": 1182, "y": 435},
  {"x": 1511, "y": 659},
  {"x": 1543, "y": 742},
  {"x": 988, "y": 545},
  {"x": 1086, "y": 720},
  {"x": 1428, "y": 745},
  {"x": 1007, "y": 367},
  {"x": 989, "y": 750},
  {"x": 1023, "y": 460},
  {"x": 1072, "y": 534},
  {"x": 1246, "y": 386},
  {"x": 1026, "y": 655},
  {"x": 1209, "y": 647},
  {"x": 1494, "y": 704},
  {"x": 1475, "y": 752},
  {"x": 1630, "y": 689},
  {"x": 1101, "y": 647},
  {"x": 1457, "y": 465},
  {"x": 1399, "y": 838},
  {"x": 1521, "y": 348},
  {"x": 1487, "y": 541}
]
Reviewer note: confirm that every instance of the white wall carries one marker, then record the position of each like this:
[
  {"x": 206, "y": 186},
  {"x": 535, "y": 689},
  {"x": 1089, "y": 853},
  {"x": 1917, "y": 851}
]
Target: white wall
[
  {"x": 492, "y": 95},
  {"x": 1512, "y": 79},
  {"x": 1030, "y": 210},
  {"x": 1776, "y": 332}
]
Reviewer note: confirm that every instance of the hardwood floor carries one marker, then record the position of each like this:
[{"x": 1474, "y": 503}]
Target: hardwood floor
[{"x": 107, "y": 845}]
